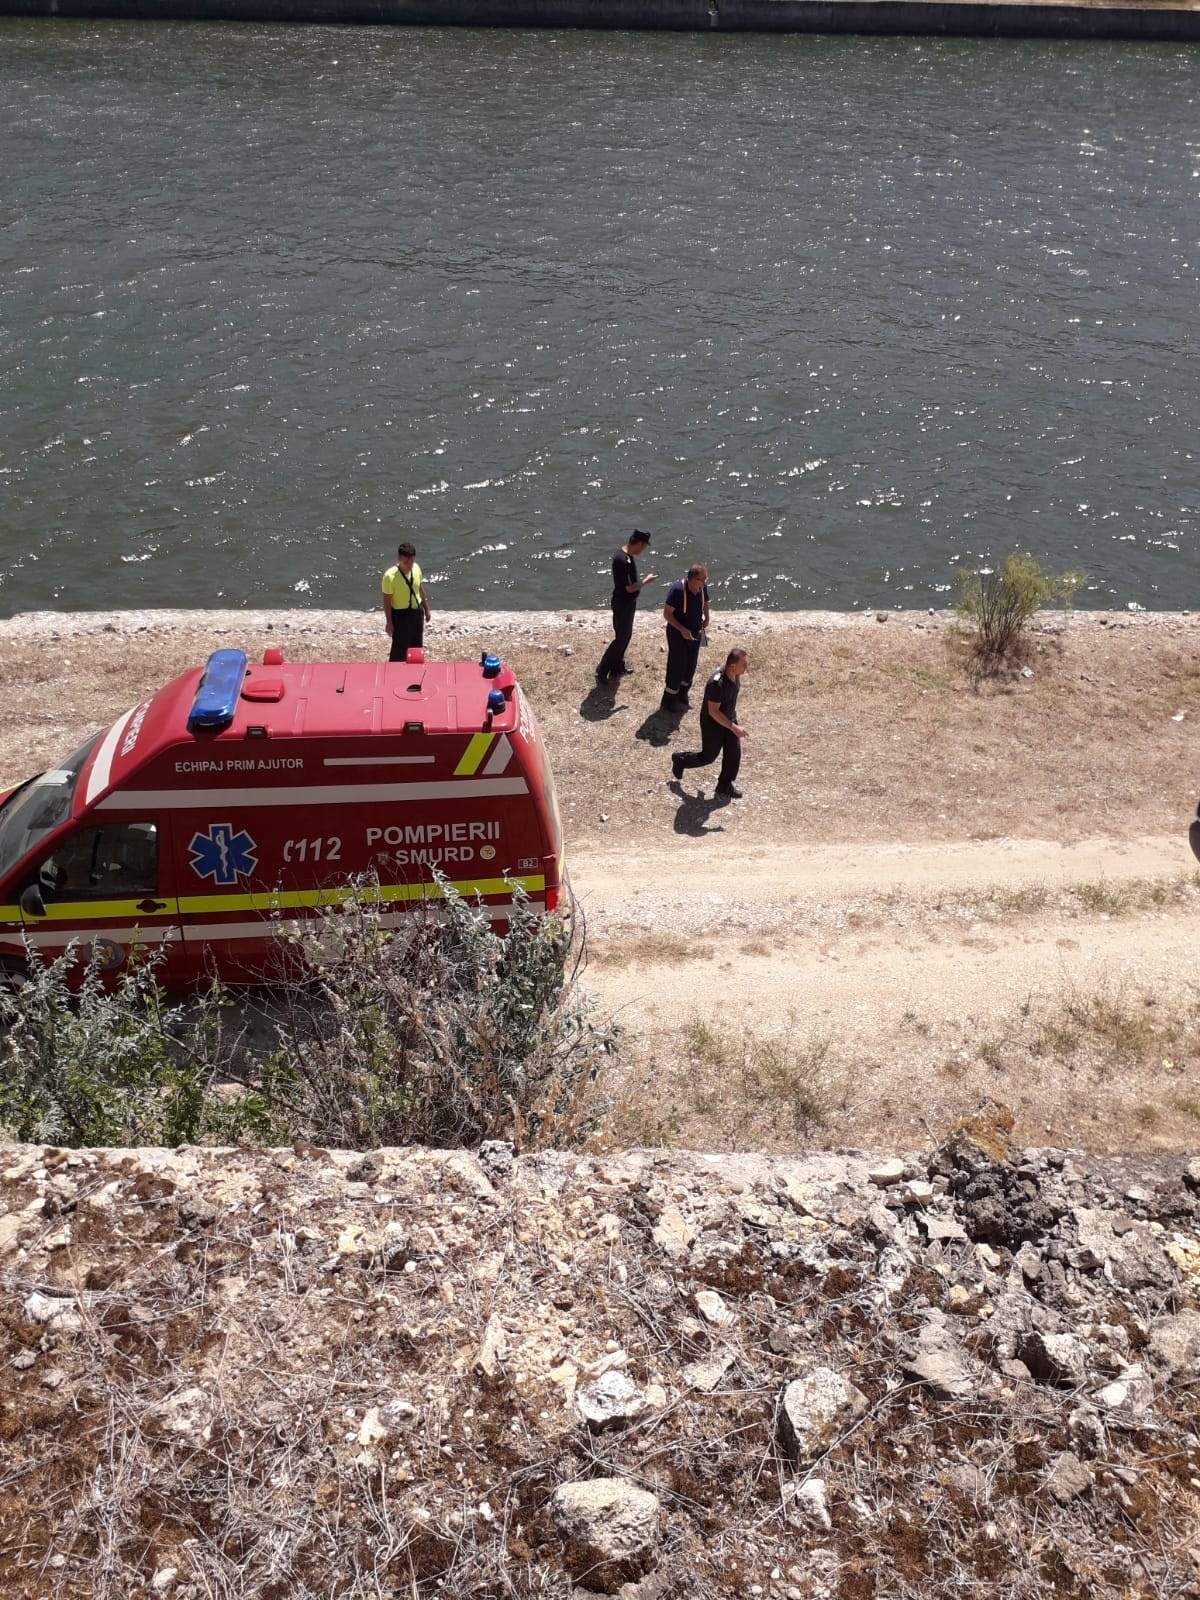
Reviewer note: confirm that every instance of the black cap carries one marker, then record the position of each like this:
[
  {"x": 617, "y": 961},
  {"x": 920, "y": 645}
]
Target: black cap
[{"x": 638, "y": 534}]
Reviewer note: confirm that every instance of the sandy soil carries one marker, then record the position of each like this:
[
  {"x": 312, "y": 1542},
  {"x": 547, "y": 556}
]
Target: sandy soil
[{"x": 931, "y": 889}]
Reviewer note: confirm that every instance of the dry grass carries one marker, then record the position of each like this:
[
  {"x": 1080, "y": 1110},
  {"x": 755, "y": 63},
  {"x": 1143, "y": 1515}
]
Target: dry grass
[
  {"x": 1080, "y": 1065},
  {"x": 635, "y": 948},
  {"x": 738, "y": 1086},
  {"x": 233, "y": 1288}
]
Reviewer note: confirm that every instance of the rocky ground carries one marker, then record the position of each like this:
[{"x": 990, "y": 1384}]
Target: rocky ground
[{"x": 308, "y": 1373}]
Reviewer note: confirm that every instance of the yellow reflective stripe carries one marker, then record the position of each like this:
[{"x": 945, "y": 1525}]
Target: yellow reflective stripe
[
  {"x": 472, "y": 757},
  {"x": 94, "y": 910},
  {"x": 10, "y": 913},
  {"x": 387, "y": 893}
]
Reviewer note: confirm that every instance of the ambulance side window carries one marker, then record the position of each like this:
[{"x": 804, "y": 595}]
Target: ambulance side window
[{"x": 115, "y": 862}]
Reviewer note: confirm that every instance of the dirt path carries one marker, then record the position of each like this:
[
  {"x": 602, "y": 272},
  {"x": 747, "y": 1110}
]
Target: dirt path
[
  {"x": 931, "y": 891},
  {"x": 904, "y": 982},
  {"x": 686, "y": 878}
]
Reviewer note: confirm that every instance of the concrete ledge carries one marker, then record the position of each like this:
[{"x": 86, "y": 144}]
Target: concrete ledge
[{"x": 938, "y": 17}]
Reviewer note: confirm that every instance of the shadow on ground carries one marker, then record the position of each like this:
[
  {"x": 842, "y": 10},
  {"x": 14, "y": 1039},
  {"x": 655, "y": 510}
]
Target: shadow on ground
[
  {"x": 695, "y": 810},
  {"x": 659, "y": 727},
  {"x": 600, "y": 703}
]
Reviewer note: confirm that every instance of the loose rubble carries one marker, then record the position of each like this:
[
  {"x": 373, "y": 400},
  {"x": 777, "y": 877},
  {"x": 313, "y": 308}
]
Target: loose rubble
[{"x": 965, "y": 1373}]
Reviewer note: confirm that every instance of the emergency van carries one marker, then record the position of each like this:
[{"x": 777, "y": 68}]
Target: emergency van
[{"x": 242, "y": 798}]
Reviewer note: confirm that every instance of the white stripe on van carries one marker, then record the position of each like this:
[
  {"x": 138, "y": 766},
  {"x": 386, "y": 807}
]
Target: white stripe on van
[
  {"x": 499, "y": 758},
  {"x": 326, "y": 795},
  {"x": 378, "y": 761},
  {"x": 208, "y": 932},
  {"x": 101, "y": 774},
  {"x": 270, "y": 928},
  {"x": 59, "y": 939}
]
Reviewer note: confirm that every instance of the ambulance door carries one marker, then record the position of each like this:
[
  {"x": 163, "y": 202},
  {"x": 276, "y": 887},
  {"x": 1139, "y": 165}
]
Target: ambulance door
[
  {"x": 106, "y": 886},
  {"x": 232, "y": 902}
]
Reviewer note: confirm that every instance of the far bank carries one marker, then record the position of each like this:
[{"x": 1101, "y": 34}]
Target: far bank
[{"x": 1030, "y": 19}]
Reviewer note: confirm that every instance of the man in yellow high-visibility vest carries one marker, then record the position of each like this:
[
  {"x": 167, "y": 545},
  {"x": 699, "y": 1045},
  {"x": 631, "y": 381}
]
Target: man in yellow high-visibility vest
[{"x": 405, "y": 603}]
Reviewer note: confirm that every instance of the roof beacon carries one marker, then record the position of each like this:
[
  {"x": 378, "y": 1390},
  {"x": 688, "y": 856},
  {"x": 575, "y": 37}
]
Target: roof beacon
[
  {"x": 217, "y": 697},
  {"x": 496, "y": 701},
  {"x": 490, "y": 664}
]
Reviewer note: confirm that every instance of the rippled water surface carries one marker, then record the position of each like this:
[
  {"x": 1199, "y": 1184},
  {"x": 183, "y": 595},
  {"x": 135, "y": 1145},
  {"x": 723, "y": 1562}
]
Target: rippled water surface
[{"x": 838, "y": 314}]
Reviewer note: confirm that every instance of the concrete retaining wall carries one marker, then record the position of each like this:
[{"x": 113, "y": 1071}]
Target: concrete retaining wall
[{"x": 781, "y": 16}]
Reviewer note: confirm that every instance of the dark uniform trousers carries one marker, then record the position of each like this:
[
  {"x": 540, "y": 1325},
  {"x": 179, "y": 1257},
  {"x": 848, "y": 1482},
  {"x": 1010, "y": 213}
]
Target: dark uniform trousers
[
  {"x": 715, "y": 741},
  {"x": 613, "y": 658},
  {"x": 682, "y": 656},
  {"x": 408, "y": 631}
]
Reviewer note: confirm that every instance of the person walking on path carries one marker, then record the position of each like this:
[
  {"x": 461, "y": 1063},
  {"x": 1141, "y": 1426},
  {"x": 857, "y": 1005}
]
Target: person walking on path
[
  {"x": 626, "y": 588},
  {"x": 405, "y": 603},
  {"x": 686, "y": 615},
  {"x": 720, "y": 732}
]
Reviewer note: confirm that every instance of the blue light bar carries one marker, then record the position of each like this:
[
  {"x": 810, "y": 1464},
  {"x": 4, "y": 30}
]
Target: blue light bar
[
  {"x": 217, "y": 697},
  {"x": 496, "y": 700},
  {"x": 491, "y": 665}
]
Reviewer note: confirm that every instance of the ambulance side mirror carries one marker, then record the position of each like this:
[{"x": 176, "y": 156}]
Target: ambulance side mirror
[{"x": 32, "y": 904}]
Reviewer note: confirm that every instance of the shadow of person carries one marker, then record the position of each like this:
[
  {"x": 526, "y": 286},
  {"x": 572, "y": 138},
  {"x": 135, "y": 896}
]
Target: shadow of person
[
  {"x": 659, "y": 726},
  {"x": 599, "y": 703},
  {"x": 694, "y": 811}
]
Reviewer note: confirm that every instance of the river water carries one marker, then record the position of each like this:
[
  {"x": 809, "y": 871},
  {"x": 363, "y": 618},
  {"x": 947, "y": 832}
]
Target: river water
[{"x": 838, "y": 315}]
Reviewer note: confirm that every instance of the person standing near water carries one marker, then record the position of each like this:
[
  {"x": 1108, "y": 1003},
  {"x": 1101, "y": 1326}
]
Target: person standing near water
[
  {"x": 721, "y": 734},
  {"x": 405, "y": 603},
  {"x": 626, "y": 588},
  {"x": 686, "y": 616}
]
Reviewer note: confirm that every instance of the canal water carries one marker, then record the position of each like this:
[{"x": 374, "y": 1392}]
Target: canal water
[{"x": 839, "y": 315}]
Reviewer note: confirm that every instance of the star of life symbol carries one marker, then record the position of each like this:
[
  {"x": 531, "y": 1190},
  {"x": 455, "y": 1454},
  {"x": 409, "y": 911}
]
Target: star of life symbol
[{"x": 221, "y": 854}]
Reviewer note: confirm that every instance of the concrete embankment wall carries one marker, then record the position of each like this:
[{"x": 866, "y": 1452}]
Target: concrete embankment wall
[{"x": 944, "y": 17}]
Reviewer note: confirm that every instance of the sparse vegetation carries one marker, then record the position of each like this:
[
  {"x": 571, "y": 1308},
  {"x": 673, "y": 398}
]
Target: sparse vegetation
[
  {"x": 1105, "y": 898},
  {"x": 115, "y": 1066},
  {"x": 749, "y": 1074},
  {"x": 993, "y": 1053},
  {"x": 635, "y": 949},
  {"x": 443, "y": 1032},
  {"x": 998, "y": 604}
]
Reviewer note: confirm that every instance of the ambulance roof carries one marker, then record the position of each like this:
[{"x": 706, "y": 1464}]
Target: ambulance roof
[{"x": 309, "y": 700}]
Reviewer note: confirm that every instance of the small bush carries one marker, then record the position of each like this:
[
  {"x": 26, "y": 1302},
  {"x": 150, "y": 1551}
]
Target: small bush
[
  {"x": 115, "y": 1066},
  {"x": 443, "y": 1033},
  {"x": 754, "y": 1074},
  {"x": 1110, "y": 899},
  {"x": 1000, "y": 604}
]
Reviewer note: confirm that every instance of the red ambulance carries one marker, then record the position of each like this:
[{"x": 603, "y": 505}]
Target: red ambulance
[{"x": 241, "y": 798}]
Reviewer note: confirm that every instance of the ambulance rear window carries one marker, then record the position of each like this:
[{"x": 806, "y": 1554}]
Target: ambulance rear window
[{"x": 39, "y": 807}]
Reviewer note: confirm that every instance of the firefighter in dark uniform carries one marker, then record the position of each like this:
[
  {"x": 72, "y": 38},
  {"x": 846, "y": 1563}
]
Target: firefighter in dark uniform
[
  {"x": 626, "y": 588},
  {"x": 686, "y": 616},
  {"x": 720, "y": 732}
]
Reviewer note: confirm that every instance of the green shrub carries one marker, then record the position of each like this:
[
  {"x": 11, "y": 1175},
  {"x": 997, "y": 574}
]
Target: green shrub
[
  {"x": 443, "y": 1033},
  {"x": 999, "y": 605},
  {"x": 115, "y": 1066}
]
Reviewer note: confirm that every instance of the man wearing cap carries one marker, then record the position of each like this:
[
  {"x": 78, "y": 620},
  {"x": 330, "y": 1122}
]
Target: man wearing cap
[
  {"x": 720, "y": 732},
  {"x": 405, "y": 604},
  {"x": 686, "y": 615},
  {"x": 626, "y": 588}
]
